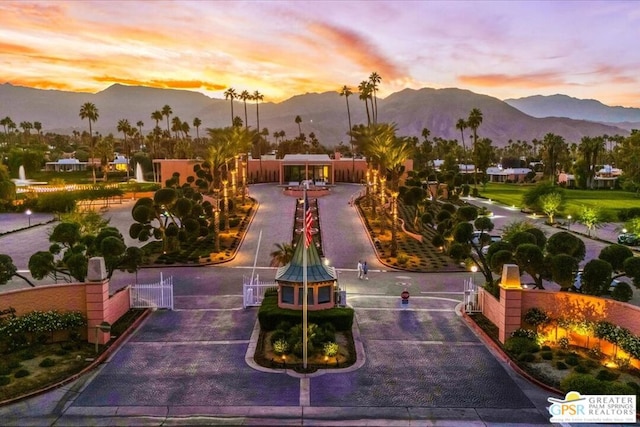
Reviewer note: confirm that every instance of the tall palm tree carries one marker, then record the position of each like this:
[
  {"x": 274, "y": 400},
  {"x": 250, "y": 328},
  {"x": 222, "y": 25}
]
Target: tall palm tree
[
  {"x": 244, "y": 96},
  {"x": 166, "y": 111},
  {"x": 365, "y": 93},
  {"x": 374, "y": 79},
  {"x": 298, "y": 120},
  {"x": 5, "y": 122},
  {"x": 473, "y": 122},
  {"x": 90, "y": 112},
  {"x": 140, "y": 124},
  {"x": 125, "y": 127},
  {"x": 346, "y": 92},
  {"x": 461, "y": 125},
  {"x": 257, "y": 96},
  {"x": 196, "y": 124},
  {"x": 38, "y": 127},
  {"x": 231, "y": 94}
]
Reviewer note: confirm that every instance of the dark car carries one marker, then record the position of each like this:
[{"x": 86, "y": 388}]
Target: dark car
[{"x": 629, "y": 239}]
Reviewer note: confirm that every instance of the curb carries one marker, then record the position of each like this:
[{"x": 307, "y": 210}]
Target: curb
[{"x": 101, "y": 358}]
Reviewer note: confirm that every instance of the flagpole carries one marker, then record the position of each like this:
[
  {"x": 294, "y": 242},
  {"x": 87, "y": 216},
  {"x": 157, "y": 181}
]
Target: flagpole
[{"x": 305, "y": 288}]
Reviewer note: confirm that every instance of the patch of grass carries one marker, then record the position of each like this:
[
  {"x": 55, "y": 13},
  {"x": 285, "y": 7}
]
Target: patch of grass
[{"x": 610, "y": 202}]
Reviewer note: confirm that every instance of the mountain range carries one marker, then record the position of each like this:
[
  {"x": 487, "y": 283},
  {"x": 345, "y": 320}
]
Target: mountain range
[{"x": 325, "y": 114}]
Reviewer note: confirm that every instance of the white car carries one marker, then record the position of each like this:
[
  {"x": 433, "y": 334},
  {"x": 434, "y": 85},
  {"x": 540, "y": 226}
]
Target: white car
[{"x": 577, "y": 282}]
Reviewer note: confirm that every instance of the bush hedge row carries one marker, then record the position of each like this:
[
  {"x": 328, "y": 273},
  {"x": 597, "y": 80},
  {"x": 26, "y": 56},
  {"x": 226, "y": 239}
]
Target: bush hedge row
[{"x": 270, "y": 315}]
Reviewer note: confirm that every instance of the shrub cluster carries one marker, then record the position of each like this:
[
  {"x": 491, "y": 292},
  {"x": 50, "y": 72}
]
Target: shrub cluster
[
  {"x": 270, "y": 315},
  {"x": 38, "y": 325}
]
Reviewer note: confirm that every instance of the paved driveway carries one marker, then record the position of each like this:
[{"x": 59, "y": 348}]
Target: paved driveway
[{"x": 420, "y": 365}]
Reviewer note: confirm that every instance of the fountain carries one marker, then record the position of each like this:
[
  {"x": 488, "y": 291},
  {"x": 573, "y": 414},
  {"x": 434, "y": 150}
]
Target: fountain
[
  {"x": 139, "y": 173},
  {"x": 22, "y": 180}
]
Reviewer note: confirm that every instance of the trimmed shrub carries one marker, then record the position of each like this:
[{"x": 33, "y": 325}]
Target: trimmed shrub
[
  {"x": 4, "y": 370},
  {"x": 582, "y": 383},
  {"x": 527, "y": 357},
  {"x": 561, "y": 365},
  {"x": 47, "y": 363},
  {"x": 27, "y": 355},
  {"x": 606, "y": 375},
  {"x": 21, "y": 373},
  {"x": 581, "y": 369},
  {"x": 4, "y": 380},
  {"x": 519, "y": 345},
  {"x": 572, "y": 359},
  {"x": 546, "y": 355}
]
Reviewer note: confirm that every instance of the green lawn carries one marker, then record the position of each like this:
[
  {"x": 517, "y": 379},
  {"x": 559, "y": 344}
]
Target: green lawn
[{"x": 608, "y": 201}]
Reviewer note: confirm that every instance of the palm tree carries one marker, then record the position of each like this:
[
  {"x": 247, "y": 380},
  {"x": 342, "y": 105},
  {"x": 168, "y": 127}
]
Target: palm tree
[
  {"x": 5, "y": 122},
  {"x": 374, "y": 79},
  {"x": 298, "y": 121},
  {"x": 346, "y": 92},
  {"x": 231, "y": 94},
  {"x": 461, "y": 125},
  {"x": 140, "y": 124},
  {"x": 196, "y": 124},
  {"x": 166, "y": 111},
  {"x": 90, "y": 112},
  {"x": 125, "y": 127},
  {"x": 257, "y": 96},
  {"x": 473, "y": 122},
  {"x": 26, "y": 129},
  {"x": 365, "y": 93},
  {"x": 282, "y": 255},
  {"x": 245, "y": 95},
  {"x": 554, "y": 148},
  {"x": 38, "y": 127}
]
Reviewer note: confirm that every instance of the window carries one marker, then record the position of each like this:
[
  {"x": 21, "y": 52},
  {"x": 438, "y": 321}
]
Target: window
[
  {"x": 286, "y": 294},
  {"x": 309, "y": 295},
  {"x": 324, "y": 294}
]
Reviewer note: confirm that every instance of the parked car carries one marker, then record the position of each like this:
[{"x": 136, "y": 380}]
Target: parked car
[
  {"x": 629, "y": 239},
  {"x": 577, "y": 282}
]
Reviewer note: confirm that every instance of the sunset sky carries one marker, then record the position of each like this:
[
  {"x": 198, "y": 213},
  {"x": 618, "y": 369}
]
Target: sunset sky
[{"x": 506, "y": 49}]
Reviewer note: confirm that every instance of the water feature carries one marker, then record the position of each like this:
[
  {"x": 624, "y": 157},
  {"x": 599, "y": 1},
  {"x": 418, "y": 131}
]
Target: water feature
[
  {"x": 139, "y": 173},
  {"x": 22, "y": 180}
]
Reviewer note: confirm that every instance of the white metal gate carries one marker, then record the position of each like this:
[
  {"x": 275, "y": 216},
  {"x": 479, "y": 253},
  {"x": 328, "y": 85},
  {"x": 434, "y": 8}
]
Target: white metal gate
[
  {"x": 253, "y": 291},
  {"x": 153, "y": 295},
  {"x": 472, "y": 298}
]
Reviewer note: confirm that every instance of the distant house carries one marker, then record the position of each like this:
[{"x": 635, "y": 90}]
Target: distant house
[
  {"x": 605, "y": 177},
  {"x": 500, "y": 174}
]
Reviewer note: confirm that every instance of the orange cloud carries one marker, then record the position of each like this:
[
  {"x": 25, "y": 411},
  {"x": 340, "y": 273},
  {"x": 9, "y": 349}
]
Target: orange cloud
[
  {"x": 531, "y": 81},
  {"x": 355, "y": 47}
]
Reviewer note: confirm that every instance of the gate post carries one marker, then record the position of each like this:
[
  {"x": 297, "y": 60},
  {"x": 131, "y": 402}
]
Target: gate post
[
  {"x": 510, "y": 301},
  {"x": 97, "y": 297}
]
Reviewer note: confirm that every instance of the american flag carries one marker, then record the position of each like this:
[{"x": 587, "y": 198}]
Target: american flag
[{"x": 308, "y": 222}]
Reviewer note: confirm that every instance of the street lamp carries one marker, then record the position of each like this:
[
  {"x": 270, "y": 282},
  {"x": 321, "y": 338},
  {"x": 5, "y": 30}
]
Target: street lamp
[
  {"x": 474, "y": 270},
  {"x": 28, "y": 213},
  {"x": 569, "y": 223}
]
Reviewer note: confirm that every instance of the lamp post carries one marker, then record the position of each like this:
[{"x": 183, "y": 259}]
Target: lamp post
[
  {"x": 28, "y": 213},
  {"x": 394, "y": 218},
  {"x": 474, "y": 270},
  {"x": 225, "y": 206},
  {"x": 569, "y": 223}
]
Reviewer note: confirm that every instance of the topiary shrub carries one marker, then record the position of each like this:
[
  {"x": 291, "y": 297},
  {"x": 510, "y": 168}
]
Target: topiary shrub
[
  {"x": 4, "y": 369},
  {"x": 545, "y": 348},
  {"x": 519, "y": 345},
  {"x": 561, "y": 365},
  {"x": 527, "y": 357},
  {"x": 20, "y": 373},
  {"x": 546, "y": 355},
  {"x": 622, "y": 292},
  {"x": 581, "y": 369},
  {"x": 572, "y": 359},
  {"x": 47, "y": 363},
  {"x": 4, "y": 380},
  {"x": 27, "y": 355},
  {"x": 582, "y": 383},
  {"x": 606, "y": 375}
]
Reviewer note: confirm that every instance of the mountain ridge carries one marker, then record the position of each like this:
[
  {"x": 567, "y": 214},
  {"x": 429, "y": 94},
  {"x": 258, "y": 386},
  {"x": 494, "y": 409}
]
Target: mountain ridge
[{"x": 324, "y": 113}]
